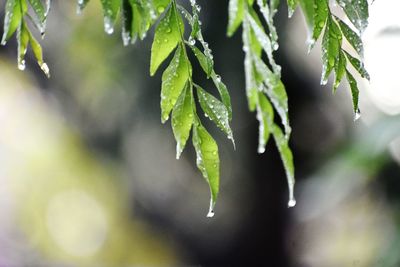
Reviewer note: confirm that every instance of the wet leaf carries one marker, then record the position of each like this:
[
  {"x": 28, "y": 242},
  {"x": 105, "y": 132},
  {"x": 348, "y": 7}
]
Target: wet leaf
[
  {"x": 166, "y": 38},
  {"x": 110, "y": 12},
  {"x": 207, "y": 159},
  {"x": 320, "y": 18},
  {"x": 358, "y": 65},
  {"x": 236, "y": 13},
  {"x": 215, "y": 110},
  {"x": 357, "y": 12},
  {"x": 340, "y": 70},
  {"x": 12, "y": 19},
  {"x": 265, "y": 117},
  {"x": 354, "y": 91},
  {"x": 182, "y": 118},
  {"x": 331, "y": 44},
  {"x": 352, "y": 37},
  {"x": 174, "y": 79},
  {"x": 287, "y": 159}
]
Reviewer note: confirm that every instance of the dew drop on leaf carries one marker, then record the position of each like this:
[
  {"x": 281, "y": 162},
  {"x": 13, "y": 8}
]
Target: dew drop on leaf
[{"x": 357, "y": 115}]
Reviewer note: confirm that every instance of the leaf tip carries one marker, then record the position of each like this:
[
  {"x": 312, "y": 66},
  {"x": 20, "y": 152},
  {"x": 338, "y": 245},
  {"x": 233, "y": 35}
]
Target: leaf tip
[{"x": 211, "y": 212}]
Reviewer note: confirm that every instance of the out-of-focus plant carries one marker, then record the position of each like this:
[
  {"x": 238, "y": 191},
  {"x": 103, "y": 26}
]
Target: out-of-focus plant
[{"x": 180, "y": 94}]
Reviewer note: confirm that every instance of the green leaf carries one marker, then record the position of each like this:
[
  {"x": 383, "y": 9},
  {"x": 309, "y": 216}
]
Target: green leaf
[
  {"x": 248, "y": 48},
  {"x": 307, "y": 7},
  {"x": 182, "y": 118},
  {"x": 263, "y": 74},
  {"x": 279, "y": 99},
  {"x": 40, "y": 12},
  {"x": 251, "y": 85},
  {"x": 275, "y": 90},
  {"x": 236, "y": 13},
  {"x": 265, "y": 42},
  {"x": 23, "y": 40},
  {"x": 215, "y": 110},
  {"x": 205, "y": 63},
  {"x": 37, "y": 51},
  {"x": 195, "y": 23},
  {"x": 292, "y": 4},
  {"x": 265, "y": 116},
  {"x": 268, "y": 15},
  {"x": 340, "y": 69},
  {"x": 110, "y": 12},
  {"x": 331, "y": 44},
  {"x": 354, "y": 91},
  {"x": 207, "y": 160},
  {"x": 223, "y": 92},
  {"x": 358, "y": 65},
  {"x": 357, "y": 12},
  {"x": 127, "y": 18},
  {"x": 142, "y": 19},
  {"x": 174, "y": 79},
  {"x": 166, "y": 37},
  {"x": 352, "y": 37},
  {"x": 287, "y": 159},
  {"x": 321, "y": 11},
  {"x": 12, "y": 19}
]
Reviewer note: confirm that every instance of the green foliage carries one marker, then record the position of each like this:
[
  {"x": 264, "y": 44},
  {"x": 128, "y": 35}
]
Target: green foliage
[
  {"x": 265, "y": 91},
  {"x": 15, "y": 21}
]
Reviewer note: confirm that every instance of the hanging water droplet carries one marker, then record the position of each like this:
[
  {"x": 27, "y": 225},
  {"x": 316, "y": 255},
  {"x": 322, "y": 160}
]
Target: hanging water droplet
[
  {"x": 291, "y": 203},
  {"x": 126, "y": 37},
  {"x": 108, "y": 25},
  {"x": 211, "y": 213},
  {"x": 357, "y": 115},
  {"x": 178, "y": 150},
  {"x": 21, "y": 64},
  {"x": 261, "y": 148}
]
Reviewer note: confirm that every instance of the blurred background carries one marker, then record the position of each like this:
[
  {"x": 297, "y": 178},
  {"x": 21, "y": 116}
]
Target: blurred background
[{"x": 88, "y": 175}]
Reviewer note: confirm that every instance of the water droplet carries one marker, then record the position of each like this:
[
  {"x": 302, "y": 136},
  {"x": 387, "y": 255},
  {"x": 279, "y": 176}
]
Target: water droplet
[
  {"x": 261, "y": 148},
  {"x": 291, "y": 203},
  {"x": 108, "y": 25},
  {"x": 357, "y": 115},
  {"x": 210, "y": 213},
  {"x": 168, "y": 30},
  {"x": 21, "y": 64},
  {"x": 160, "y": 9},
  {"x": 126, "y": 37},
  {"x": 192, "y": 41}
]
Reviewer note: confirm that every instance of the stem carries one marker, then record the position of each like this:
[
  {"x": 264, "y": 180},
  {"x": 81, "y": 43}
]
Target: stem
[{"x": 182, "y": 42}]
